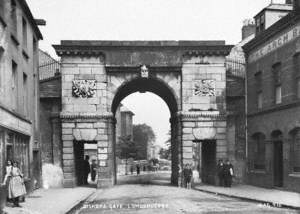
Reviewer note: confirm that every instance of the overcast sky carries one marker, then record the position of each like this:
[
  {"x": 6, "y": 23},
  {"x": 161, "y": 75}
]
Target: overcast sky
[{"x": 144, "y": 20}]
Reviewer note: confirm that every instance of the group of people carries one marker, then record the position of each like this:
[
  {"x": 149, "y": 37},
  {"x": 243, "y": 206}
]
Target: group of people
[
  {"x": 225, "y": 173},
  {"x": 15, "y": 182}
]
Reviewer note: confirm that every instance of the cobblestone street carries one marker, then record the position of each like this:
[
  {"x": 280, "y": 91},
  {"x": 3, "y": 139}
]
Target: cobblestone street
[{"x": 161, "y": 198}]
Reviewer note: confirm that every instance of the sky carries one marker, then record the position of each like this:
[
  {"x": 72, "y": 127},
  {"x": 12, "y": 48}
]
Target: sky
[{"x": 143, "y": 20}]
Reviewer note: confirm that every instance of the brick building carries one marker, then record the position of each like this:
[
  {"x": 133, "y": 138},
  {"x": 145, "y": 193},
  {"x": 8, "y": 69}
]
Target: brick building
[
  {"x": 19, "y": 91},
  {"x": 273, "y": 98}
]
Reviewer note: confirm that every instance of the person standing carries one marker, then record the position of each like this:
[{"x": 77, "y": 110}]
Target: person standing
[
  {"x": 228, "y": 173},
  {"x": 137, "y": 169},
  {"x": 93, "y": 170},
  {"x": 187, "y": 174},
  {"x": 220, "y": 171},
  {"x": 16, "y": 187},
  {"x": 86, "y": 169}
]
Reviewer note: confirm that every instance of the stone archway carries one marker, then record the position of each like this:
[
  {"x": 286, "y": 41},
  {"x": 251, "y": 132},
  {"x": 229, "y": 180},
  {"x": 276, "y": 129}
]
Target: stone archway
[
  {"x": 157, "y": 86},
  {"x": 189, "y": 75}
]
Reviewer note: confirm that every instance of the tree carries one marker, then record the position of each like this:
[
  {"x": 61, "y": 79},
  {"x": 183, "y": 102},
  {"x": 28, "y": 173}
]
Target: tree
[
  {"x": 126, "y": 148},
  {"x": 165, "y": 153},
  {"x": 143, "y": 135}
]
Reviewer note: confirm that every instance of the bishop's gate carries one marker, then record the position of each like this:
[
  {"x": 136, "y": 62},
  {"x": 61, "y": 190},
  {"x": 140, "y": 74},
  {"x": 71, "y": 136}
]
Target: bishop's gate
[{"x": 190, "y": 76}]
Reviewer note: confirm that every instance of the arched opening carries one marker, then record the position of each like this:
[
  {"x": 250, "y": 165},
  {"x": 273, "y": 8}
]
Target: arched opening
[
  {"x": 277, "y": 140},
  {"x": 294, "y": 136},
  {"x": 163, "y": 91}
]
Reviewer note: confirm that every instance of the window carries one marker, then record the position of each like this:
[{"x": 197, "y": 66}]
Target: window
[
  {"x": 298, "y": 87},
  {"x": 14, "y": 84},
  {"x": 262, "y": 22},
  {"x": 259, "y": 99},
  {"x": 277, "y": 83},
  {"x": 258, "y": 87},
  {"x": 297, "y": 75},
  {"x": 296, "y": 151},
  {"x": 13, "y": 16},
  {"x": 25, "y": 94},
  {"x": 258, "y": 151},
  {"x": 278, "y": 94},
  {"x": 20, "y": 151},
  {"x": 24, "y": 31}
]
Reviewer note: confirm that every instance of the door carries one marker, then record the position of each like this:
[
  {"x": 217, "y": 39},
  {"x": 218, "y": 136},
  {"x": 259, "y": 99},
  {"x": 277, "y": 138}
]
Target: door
[
  {"x": 79, "y": 157},
  {"x": 36, "y": 169},
  {"x": 278, "y": 164},
  {"x": 208, "y": 155}
]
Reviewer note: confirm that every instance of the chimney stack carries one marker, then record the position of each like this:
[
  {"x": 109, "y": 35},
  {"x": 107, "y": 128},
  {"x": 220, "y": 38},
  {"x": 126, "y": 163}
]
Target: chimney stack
[
  {"x": 248, "y": 28},
  {"x": 296, "y": 6}
]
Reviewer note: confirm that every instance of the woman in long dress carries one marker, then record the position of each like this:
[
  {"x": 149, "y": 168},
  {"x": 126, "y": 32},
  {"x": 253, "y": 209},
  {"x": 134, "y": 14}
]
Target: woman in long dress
[{"x": 16, "y": 187}]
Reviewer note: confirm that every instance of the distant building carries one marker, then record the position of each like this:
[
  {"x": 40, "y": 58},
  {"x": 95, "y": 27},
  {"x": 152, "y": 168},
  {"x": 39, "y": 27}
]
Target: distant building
[
  {"x": 273, "y": 98},
  {"x": 19, "y": 92}
]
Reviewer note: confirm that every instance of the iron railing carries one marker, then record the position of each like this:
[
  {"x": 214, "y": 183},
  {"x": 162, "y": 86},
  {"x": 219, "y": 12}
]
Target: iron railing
[
  {"x": 236, "y": 67},
  {"x": 49, "y": 69}
]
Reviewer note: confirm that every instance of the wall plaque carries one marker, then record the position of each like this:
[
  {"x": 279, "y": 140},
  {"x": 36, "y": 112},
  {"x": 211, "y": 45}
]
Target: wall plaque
[
  {"x": 84, "y": 88},
  {"x": 205, "y": 88},
  {"x": 102, "y": 163},
  {"x": 102, "y": 156},
  {"x": 102, "y": 150}
]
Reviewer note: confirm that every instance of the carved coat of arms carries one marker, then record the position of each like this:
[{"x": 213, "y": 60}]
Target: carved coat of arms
[
  {"x": 144, "y": 71},
  {"x": 84, "y": 88},
  {"x": 205, "y": 88}
]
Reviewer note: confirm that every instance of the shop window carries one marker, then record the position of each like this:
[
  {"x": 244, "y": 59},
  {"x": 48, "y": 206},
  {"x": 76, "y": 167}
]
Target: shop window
[
  {"x": 19, "y": 151},
  {"x": 258, "y": 150},
  {"x": 296, "y": 151}
]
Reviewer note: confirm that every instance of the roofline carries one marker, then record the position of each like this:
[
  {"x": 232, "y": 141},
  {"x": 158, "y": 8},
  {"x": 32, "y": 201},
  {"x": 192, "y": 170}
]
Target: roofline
[
  {"x": 272, "y": 9},
  {"x": 27, "y": 11},
  {"x": 287, "y": 21},
  {"x": 71, "y": 47}
]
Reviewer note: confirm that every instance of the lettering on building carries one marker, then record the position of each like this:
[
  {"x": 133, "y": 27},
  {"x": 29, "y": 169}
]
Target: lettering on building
[
  {"x": 205, "y": 88},
  {"x": 275, "y": 43},
  {"x": 84, "y": 88}
]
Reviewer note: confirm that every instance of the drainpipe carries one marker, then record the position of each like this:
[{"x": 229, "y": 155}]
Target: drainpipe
[{"x": 246, "y": 110}]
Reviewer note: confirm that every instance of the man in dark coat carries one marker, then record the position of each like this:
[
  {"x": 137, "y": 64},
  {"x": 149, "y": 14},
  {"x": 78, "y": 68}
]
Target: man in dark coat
[
  {"x": 228, "y": 173},
  {"x": 93, "y": 170},
  {"x": 187, "y": 174},
  {"x": 220, "y": 171},
  {"x": 138, "y": 169},
  {"x": 86, "y": 169}
]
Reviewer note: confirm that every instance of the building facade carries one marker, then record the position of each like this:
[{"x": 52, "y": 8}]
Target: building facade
[
  {"x": 19, "y": 91},
  {"x": 189, "y": 75},
  {"x": 273, "y": 103}
]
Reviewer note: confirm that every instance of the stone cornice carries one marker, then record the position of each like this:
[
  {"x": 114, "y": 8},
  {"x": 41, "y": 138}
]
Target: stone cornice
[
  {"x": 77, "y": 51},
  {"x": 73, "y": 116},
  {"x": 209, "y": 51},
  {"x": 215, "y": 115},
  {"x": 134, "y": 69}
]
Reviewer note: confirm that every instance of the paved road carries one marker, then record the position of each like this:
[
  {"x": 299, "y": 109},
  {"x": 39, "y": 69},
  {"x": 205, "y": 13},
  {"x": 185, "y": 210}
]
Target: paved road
[{"x": 148, "y": 198}]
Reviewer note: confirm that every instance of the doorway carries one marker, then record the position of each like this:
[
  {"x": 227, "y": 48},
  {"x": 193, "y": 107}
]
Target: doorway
[
  {"x": 36, "y": 168},
  {"x": 208, "y": 154},
  {"x": 81, "y": 150},
  {"x": 278, "y": 164}
]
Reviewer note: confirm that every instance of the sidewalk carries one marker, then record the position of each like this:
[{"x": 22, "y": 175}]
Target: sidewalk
[
  {"x": 51, "y": 201},
  {"x": 271, "y": 197}
]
